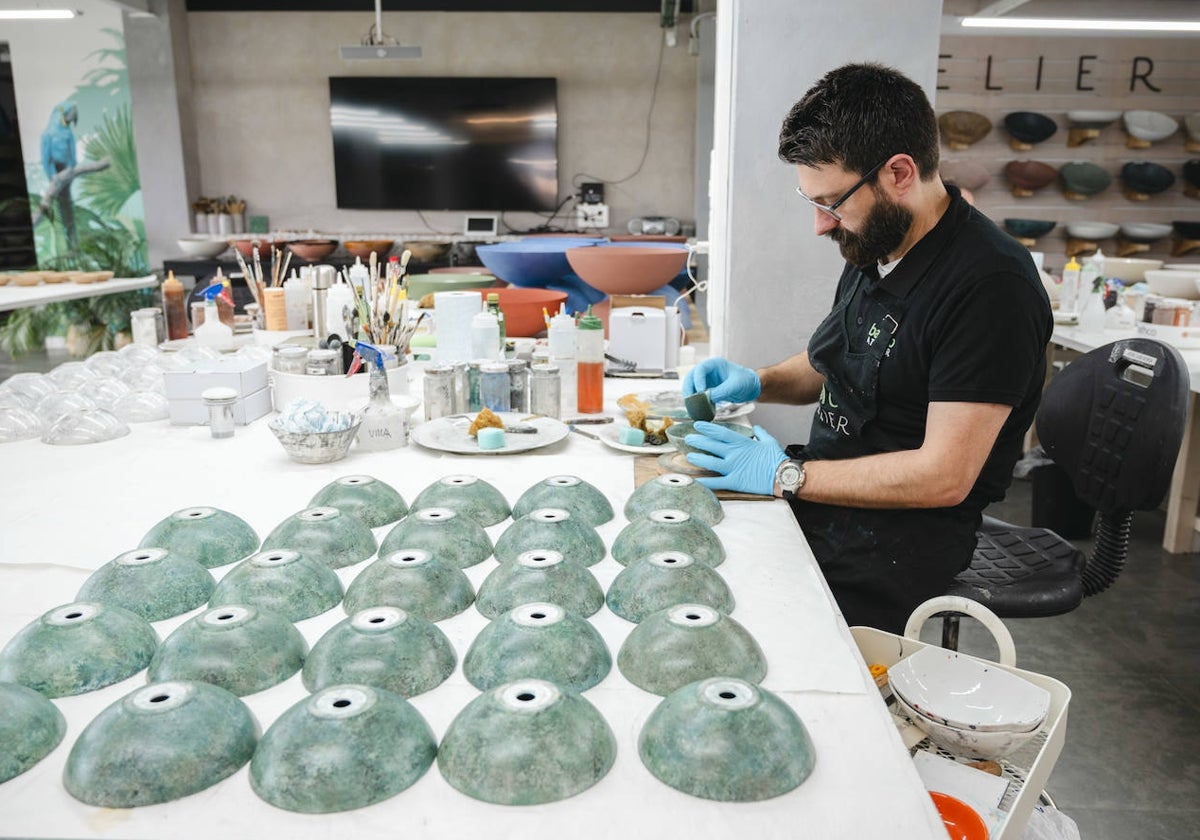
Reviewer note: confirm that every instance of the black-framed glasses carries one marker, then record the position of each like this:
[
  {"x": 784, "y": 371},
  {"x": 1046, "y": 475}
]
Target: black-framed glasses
[{"x": 831, "y": 209}]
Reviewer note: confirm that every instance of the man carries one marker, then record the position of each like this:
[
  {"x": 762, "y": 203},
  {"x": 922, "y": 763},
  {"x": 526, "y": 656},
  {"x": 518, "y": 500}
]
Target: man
[{"x": 926, "y": 373}]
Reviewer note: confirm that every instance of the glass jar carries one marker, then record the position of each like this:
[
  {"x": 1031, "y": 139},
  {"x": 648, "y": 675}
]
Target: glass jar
[
  {"x": 545, "y": 390},
  {"x": 518, "y": 385},
  {"x": 439, "y": 391},
  {"x": 289, "y": 358},
  {"x": 219, "y": 402},
  {"x": 323, "y": 363},
  {"x": 494, "y": 389},
  {"x": 144, "y": 324}
]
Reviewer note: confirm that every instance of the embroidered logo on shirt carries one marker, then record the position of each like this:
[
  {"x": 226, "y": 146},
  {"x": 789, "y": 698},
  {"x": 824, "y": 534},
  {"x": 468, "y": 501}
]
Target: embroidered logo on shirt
[{"x": 828, "y": 413}]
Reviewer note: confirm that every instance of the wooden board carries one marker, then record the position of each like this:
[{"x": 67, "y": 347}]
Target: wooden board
[{"x": 646, "y": 467}]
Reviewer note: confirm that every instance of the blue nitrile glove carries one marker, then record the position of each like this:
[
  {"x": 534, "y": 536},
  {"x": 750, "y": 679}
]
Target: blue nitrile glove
[
  {"x": 725, "y": 381},
  {"x": 745, "y": 464}
]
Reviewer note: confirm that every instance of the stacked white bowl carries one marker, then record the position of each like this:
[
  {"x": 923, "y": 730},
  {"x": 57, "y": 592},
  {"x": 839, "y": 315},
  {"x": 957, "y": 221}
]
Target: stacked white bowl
[{"x": 967, "y": 706}]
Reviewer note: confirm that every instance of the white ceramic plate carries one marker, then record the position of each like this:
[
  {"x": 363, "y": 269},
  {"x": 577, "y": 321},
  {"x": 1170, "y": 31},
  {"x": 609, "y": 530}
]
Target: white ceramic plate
[
  {"x": 670, "y": 404},
  {"x": 449, "y": 434},
  {"x": 611, "y": 436}
]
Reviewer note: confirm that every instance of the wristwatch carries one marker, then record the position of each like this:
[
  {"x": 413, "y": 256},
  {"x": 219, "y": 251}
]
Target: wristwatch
[{"x": 790, "y": 476}]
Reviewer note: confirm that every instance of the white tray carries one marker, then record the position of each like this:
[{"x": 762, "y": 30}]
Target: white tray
[
  {"x": 1183, "y": 337},
  {"x": 1026, "y": 770}
]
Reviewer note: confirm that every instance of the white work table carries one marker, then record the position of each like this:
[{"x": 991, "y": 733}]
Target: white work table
[
  {"x": 68, "y": 510},
  {"x": 1181, "y": 534},
  {"x": 13, "y": 296}
]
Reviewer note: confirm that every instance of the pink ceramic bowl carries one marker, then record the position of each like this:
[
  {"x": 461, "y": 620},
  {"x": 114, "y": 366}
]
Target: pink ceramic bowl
[{"x": 627, "y": 269}]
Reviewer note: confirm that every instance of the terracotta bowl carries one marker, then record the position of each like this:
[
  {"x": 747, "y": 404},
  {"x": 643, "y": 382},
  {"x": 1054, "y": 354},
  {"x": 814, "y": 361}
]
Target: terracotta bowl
[
  {"x": 1187, "y": 230},
  {"x": 1084, "y": 178},
  {"x": 245, "y": 247},
  {"x": 627, "y": 269},
  {"x": 425, "y": 251},
  {"x": 313, "y": 249},
  {"x": 1150, "y": 126},
  {"x": 1191, "y": 172},
  {"x": 965, "y": 173},
  {"x": 646, "y": 237},
  {"x": 1147, "y": 178},
  {"x": 1028, "y": 228},
  {"x": 962, "y": 128},
  {"x": 362, "y": 248},
  {"x": 525, "y": 309},
  {"x": 1029, "y": 174},
  {"x": 1028, "y": 127},
  {"x": 533, "y": 262}
]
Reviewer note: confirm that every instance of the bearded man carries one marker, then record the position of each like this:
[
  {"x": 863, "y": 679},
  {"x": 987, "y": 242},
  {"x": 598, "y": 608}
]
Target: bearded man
[{"x": 926, "y": 373}]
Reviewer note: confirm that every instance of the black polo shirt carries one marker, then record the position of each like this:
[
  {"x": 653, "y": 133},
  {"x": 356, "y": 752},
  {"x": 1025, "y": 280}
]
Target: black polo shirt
[{"x": 965, "y": 318}]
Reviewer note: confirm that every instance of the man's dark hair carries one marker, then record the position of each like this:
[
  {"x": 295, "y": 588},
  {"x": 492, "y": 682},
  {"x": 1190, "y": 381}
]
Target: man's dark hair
[{"x": 859, "y": 115}]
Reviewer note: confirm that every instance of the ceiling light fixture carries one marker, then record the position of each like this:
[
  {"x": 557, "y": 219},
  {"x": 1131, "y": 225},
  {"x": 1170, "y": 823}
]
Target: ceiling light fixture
[
  {"x": 377, "y": 44},
  {"x": 38, "y": 14},
  {"x": 1094, "y": 24}
]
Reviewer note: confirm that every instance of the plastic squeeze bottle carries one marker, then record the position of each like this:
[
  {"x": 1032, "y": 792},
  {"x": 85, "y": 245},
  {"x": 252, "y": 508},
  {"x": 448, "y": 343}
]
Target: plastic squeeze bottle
[
  {"x": 384, "y": 425},
  {"x": 589, "y": 351},
  {"x": 172, "y": 293},
  {"x": 1068, "y": 295},
  {"x": 562, "y": 353},
  {"x": 213, "y": 332}
]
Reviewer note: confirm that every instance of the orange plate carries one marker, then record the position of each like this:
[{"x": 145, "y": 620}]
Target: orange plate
[{"x": 960, "y": 819}]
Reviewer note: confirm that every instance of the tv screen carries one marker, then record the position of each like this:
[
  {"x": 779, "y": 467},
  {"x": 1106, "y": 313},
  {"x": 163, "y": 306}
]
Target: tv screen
[{"x": 432, "y": 143}]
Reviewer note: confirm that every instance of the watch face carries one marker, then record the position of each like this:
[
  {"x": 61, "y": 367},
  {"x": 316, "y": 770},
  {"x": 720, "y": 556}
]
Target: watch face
[{"x": 789, "y": 476}]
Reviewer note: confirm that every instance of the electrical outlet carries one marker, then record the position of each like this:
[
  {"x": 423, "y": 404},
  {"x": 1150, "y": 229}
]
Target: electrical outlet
[{"x": 591, "y": 215}]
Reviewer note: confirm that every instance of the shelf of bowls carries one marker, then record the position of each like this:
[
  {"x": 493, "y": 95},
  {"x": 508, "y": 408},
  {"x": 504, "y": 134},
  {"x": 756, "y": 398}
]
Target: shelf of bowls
[{"x": 1140, "y": 181}]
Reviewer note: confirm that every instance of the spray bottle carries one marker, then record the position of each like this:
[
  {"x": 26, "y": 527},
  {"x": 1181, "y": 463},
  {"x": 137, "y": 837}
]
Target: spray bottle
[
  {"x": 213, "y": 332},
  {"x": 384, "y": 425}
]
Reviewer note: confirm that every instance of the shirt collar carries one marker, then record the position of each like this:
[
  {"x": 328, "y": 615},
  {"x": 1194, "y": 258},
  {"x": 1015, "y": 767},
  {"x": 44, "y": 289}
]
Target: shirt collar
[{"x": 901, "y": 281}]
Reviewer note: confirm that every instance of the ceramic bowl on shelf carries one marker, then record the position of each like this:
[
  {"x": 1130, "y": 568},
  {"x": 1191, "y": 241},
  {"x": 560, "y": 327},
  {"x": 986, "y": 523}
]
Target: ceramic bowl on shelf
[
  {"x": 1191, "y": 124},
  {"x": 627, "y": 268},
  {"x": 968, "y": 693},
  {"x": 1129, "y": 269},
  {"x": 312, "y": 250},
  {"x": 1146, "y": 178},
  {"x": 201, "y": 246},
  {"x": 362, "y": 248},
  {"x": 246, "y": 247},
  {"x": 961, "y": 129},
  {"x": 1092, "y": 230},
  {"x": 1081, "y": 179},
  {"x": 424, "y": 250},
  {"x": 1191, "y": 173},
  {"x": 969, "y": 174},
  {"x": 1028, "y": 128},
  {"x": 1027, "y": 176},
  {"x": 1092, "y": 119},
  {"x": 1028, "y": 228},
  {"x": 1144, "y": 231},
  {"x": 1187, "y": 230},
  {"x": 1172, "y": 283},
  {"x": 1149, "y": 126}
]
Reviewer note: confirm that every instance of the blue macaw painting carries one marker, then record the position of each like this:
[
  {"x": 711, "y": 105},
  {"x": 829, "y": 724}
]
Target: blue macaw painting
[{"x": 58, "y": 161}]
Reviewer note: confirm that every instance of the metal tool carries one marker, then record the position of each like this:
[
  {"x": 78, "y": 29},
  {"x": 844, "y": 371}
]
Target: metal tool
[{"x": 580, "y": 431}]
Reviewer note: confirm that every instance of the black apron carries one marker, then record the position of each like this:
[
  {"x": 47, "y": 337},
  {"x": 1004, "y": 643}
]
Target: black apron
[{"x": 880, "y": 564}]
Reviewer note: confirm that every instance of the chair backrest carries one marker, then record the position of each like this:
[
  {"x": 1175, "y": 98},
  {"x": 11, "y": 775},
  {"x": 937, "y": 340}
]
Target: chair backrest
[{"x": 1114, "y": 419}]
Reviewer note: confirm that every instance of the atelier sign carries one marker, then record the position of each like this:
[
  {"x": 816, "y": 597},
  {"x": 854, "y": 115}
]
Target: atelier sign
[{"x": 1080, "y": 73}]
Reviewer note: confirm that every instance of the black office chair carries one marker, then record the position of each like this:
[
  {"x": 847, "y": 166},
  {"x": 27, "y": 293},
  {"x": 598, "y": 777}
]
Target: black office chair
[{"x": 1113, "y": 420}]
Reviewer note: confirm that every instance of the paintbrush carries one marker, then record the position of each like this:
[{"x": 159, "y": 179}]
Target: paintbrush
[
  {"x": 287, "y": 261},
  {"x": 248, "y": 277}
]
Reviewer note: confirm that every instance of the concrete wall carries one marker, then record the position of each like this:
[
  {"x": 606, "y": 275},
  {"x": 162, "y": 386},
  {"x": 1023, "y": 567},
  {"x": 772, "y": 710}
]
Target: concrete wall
[
  {"x": 772, "y": 279},
  {"x": 261, "y": 106}
]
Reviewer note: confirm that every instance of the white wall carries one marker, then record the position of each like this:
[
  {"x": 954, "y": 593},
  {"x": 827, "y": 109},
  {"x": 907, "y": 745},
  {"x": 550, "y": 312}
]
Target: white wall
[
  {"x": 261, "y": 105},
  {"x": 772, "y": 279}
]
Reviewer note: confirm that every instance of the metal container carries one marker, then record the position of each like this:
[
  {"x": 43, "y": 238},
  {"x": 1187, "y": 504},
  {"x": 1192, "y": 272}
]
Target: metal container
[
  {"x": 494, "y": 386},
  {"x": 518, "y": 384},
  {"x": 439, "y": 391},
  {"x": 545, "y": 390}
]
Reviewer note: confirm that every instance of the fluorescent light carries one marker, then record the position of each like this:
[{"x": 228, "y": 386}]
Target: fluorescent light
[
  {"x": 1083, "y": 23},
  {"x": 37, "y": 14}
]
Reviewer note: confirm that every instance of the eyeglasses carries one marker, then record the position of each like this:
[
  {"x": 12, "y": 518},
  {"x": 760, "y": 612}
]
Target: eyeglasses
[{"x": 831, "y": 209}]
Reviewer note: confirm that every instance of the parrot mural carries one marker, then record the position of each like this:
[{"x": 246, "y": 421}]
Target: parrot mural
[{"x": 58, "y": 155}]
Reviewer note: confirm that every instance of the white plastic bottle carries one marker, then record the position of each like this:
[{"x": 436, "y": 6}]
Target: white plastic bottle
[
  {"x": 1068, "y": 295},
  {"x": 359, "y": 275},
  {"x": 296, "y": 294},
  {"x": 562, "y": 353},
  {"x": 485, "y": 336},
  {"x": 213, "y": 333},
  {"x": 1091, "y": 294},
  {"x": 338, "y": 299}
]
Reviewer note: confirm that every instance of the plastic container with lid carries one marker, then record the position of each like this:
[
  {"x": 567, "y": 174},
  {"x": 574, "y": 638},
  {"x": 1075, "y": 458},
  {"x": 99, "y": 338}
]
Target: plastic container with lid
[
  {"x": 485, "y": 336},
  {"x": 219, "y": 402},
  {"x": 562, "y": 353},
  {"x": 589, "y": 352}
]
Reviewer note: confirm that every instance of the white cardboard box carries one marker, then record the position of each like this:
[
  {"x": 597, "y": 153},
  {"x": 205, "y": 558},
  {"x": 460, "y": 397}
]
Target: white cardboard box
[
  {"x": 193, "y": 412},
  {"x": 242, "y": 375}
]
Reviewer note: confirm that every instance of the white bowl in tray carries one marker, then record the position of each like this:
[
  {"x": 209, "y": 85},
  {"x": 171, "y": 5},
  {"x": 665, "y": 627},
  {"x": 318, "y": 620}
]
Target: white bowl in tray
[
  {"x": 967, "y": 743},
  {"x": 967, "y": 693}
]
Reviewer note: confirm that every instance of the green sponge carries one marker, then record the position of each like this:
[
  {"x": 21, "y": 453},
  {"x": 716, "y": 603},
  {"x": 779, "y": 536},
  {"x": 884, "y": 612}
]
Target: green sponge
[
  {"x": 491, "y": 438},
  {"x": 700, "y": 406}
]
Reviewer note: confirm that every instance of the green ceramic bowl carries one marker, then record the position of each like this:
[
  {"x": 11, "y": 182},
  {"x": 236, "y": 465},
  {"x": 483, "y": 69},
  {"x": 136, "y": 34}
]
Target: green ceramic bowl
[
  {"x": 371, "y": 500},
  {"x": 384, "y": 647},
  {"x": 159, "y": 743},
  {"x": 678, "y": 492},
  {"x": 455, "y": 539},
  {"x": 1083, "y": 178},
  {"x": 467, "y": 495},
  {"x": 728, "y": 740},
  {"x": 413, "y": 580},
  {"x": 325, "y": 535},
  {"x": 151, "y": 582},
  {"x": 343, "y": 748},
  {"x": 679, "y": 430},
  {"x": 569, "y": 492},
  {"x": 555, "y": 529},
  {"x": 420, "y": 285},
  {"x": 662, "y": 580},
  {"x": 208, "y": 535},
  {"x": 540, "y": 575},
  {"x": 78, "y": 648},
  {"x": 539, "y": 641},
  {"x": 668, "y": 530},
  {"x": 281, "y": 581},
  {"x": 526, "y": 743},
  {"x": 685, "y": 643},
  {"x": 30, "y": 728},
  {"x": 1028, "y": 228}
]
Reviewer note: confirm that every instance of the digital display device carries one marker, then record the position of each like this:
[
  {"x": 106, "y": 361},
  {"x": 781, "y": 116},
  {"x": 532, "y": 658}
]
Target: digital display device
[{"x": 445, "y": 143}]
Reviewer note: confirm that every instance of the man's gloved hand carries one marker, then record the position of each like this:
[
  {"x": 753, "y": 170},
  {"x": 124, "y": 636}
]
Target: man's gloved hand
[
  {"x": 746, "y": 464},
  {"x": 725, "y": 381}
]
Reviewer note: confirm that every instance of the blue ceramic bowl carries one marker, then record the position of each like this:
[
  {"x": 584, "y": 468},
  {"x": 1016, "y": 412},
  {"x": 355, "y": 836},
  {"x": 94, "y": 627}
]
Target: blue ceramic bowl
[{"x": 534, "y": 262}]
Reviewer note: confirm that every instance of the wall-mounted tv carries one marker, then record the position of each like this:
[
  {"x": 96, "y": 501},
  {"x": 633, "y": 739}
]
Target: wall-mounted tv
[{"x": 439, "y": 143}]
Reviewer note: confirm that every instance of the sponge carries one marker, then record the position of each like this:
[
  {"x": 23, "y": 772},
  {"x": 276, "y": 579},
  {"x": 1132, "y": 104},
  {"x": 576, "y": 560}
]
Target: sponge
[
  {"x": 631, "y": 436},
  {"x": 700, "y": 406},
  {"x": 491, "y": 438}
]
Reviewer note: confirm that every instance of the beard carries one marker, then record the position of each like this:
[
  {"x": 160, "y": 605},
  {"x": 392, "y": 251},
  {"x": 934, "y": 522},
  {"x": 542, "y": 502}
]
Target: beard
[{"x": 882, "y": 233}]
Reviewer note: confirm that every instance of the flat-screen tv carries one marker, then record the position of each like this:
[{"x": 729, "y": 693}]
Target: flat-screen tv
[{"x": 434, "y": 143}]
